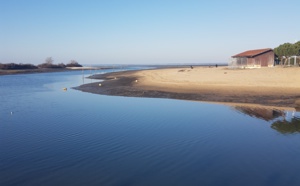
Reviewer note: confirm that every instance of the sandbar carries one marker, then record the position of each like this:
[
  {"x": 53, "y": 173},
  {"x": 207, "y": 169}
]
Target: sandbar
[{"x": 274, "y": 86}]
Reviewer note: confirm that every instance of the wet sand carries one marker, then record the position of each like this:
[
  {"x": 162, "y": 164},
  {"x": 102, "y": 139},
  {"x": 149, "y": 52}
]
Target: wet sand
[{"x": 275, "y": 86}]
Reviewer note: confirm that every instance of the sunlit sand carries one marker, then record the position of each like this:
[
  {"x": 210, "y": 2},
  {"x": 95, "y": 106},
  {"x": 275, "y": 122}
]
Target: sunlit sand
[{"x": 276, "y": 86}]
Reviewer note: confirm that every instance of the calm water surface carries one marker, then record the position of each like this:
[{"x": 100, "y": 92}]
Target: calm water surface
[{"x": 53, "y": 137}]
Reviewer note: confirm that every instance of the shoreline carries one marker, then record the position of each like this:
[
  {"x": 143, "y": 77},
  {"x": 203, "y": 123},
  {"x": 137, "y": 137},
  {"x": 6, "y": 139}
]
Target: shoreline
[
  {"x": 45, "y": 70},
  {"x": 183, "y": 84}
]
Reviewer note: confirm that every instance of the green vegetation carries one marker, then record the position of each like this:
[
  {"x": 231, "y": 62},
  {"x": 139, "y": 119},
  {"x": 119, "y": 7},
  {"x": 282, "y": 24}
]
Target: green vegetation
[
  {"x": 287, "y": 127},
  {"x": 287, "y": 49},
  {"x": 47, "y": 64}
]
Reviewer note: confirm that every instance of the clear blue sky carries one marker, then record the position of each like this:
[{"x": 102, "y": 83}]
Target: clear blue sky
[{"x": 142, "y": 31}]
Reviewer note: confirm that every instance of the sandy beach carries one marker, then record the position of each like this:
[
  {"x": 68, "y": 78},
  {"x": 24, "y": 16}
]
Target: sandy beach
[{"x": 274, "y": 86}]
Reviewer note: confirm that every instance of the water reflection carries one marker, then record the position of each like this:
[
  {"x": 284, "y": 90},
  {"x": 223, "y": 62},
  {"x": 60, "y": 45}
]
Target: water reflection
[
  {"x": 283, "y": 121},
  {"x": 263, "y": 113},
  {"x": 287, "y": 126}
]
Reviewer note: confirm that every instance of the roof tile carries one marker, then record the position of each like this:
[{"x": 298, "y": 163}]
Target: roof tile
[{"x": 252, "y": 53}]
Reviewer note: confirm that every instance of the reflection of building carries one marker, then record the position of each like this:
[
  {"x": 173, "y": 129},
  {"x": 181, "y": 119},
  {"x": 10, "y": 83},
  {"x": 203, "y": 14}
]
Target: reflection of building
[
  {"x": 284, "y": 122},
  {"x": 260, "y": 112},
  {"x": 253, "y": 59}
]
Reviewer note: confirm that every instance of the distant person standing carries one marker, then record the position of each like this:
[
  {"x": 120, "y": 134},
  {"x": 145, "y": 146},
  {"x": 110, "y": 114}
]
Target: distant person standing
[{"x": 216, "y": 65}]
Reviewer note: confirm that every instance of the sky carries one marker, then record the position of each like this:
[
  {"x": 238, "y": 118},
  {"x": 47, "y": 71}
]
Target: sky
[{"x": 142, "y": 31}]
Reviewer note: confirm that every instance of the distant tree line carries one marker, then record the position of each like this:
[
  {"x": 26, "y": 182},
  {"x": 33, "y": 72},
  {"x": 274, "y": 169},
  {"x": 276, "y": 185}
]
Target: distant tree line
[
  {"x": 47, "y": 64},
  {"x": 287, "y": 49},
  {"x": 14, "y": 66}
]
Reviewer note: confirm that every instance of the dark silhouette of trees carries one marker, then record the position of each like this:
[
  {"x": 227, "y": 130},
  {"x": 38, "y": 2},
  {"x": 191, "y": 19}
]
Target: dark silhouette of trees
[
  {"x": 14, "y": 66},
  {"x": 49, "y": 60},
  {"x": 47, "y": 64},
  {"x": 73, "y": 63}
]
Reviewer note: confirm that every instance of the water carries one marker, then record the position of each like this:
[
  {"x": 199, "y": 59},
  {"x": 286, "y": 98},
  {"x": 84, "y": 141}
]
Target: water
[{"x": 53, "y": 137}]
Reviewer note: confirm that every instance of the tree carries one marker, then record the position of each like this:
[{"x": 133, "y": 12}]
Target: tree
[
  {"x": 49, "y": 64},
  {"x": 49, "y": 60},
  {"x": 297, "y": 48},
  {"x": 287, "y": 49},
  {"x": 284, "y": 51},
  {"x": 14, "y": 66},
  {"x": 73, "y": 63}
]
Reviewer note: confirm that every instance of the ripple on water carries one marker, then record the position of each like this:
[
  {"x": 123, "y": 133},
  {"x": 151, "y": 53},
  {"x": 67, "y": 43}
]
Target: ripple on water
[{"x": 75, "y": 138}]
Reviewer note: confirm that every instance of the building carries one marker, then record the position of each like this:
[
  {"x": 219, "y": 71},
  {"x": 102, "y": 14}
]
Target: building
[
  {"x": 253, "y": 59},
  {"x": 292, "y": 60}
]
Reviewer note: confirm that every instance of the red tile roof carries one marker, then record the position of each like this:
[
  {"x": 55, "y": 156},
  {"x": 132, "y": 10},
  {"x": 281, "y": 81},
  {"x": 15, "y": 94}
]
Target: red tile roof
[{"x": 253, "y": 53}]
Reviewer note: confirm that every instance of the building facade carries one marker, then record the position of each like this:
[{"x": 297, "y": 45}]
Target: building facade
[{"x": 253, "y": 59}]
